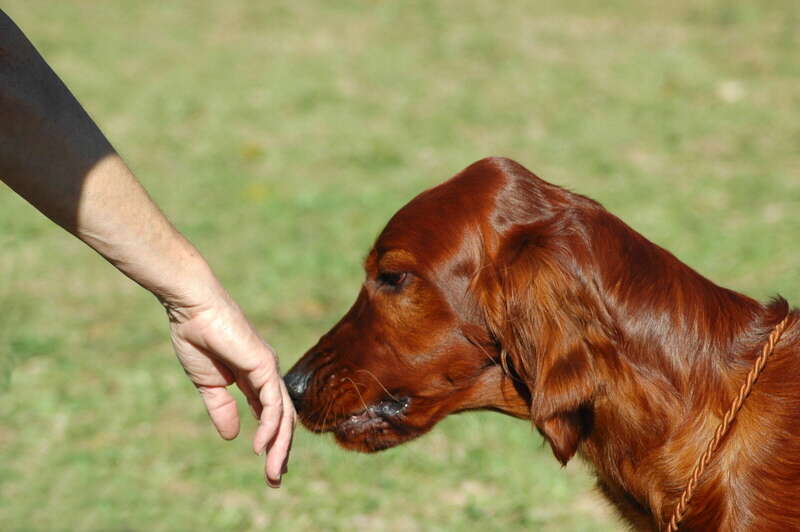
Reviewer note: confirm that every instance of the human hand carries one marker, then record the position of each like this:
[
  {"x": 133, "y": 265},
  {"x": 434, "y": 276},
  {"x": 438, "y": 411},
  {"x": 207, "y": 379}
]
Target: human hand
[{"x": 217, "y": 347}]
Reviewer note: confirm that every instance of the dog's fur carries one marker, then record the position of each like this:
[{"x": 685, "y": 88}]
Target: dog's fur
[{"x": 497, "y": 290}]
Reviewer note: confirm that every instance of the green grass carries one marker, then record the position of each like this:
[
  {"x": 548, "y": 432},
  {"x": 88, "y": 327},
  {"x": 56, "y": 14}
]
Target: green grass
[{"x": 280, "y": 136}]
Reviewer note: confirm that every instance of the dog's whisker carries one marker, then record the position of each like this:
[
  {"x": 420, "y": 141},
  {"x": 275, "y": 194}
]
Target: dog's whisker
[
  {"x": 355, "y": 387},
  {"x": 321, "y": 423},
  {"x": 385, "y": 389},
  {"x": 331, "y": 402}
]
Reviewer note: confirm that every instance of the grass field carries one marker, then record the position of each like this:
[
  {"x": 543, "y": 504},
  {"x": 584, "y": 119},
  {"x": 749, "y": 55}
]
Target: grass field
[{"x": 280, "y": 136}]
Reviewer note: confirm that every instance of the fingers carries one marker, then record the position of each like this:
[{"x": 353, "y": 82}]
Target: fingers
[
  {"x": 250, "y": 395},
  {"x": 277, "y": 420},
  {"x": 222, "y": 410},
  {"x": 269, "y": 384},
  {"x": 281, "y": 444},
  {"x": 274, "y": 433}
]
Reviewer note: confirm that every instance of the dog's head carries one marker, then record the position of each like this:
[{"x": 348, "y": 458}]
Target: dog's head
[{"x": 460, "y": 310}]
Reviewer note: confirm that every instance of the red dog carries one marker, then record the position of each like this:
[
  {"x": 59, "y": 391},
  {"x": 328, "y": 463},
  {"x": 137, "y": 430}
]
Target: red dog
[{"x": 497, "y": 290}]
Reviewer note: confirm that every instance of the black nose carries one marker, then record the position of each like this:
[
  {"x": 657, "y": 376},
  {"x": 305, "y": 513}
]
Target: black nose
[{"x": 296, "y": 382}]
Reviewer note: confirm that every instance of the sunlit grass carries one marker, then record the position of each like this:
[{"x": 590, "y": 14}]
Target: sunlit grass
[{"x": 280, "y": 136}]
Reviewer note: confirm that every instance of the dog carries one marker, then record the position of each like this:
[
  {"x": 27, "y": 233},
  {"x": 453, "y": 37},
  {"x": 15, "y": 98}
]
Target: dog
[{"x": 497, "y": 290}]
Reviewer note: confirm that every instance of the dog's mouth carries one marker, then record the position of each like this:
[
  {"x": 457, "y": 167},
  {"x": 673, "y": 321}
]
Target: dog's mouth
[
  {"x": 383, "y": 414},
  {"x": 379, "y": 426}
]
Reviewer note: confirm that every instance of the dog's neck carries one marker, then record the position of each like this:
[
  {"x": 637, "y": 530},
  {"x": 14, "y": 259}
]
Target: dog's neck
[{"x": 672, "y": 329}]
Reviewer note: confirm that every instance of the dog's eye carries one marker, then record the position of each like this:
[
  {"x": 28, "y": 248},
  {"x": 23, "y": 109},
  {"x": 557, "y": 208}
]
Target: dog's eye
[{"x": 392, "y": 279}]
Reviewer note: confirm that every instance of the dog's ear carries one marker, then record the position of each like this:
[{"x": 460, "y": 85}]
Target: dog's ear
[
  {"x": 563, "y": 388},
  {"x": 544, "y": 315}
]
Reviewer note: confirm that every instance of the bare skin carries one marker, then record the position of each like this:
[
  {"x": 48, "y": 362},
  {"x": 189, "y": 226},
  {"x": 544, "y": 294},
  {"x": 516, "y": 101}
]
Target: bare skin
[{"x": 53, "y": 155}]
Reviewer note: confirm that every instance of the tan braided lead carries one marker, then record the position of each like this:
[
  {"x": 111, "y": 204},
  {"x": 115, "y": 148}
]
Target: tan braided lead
[{"x": 722, "y": 429}]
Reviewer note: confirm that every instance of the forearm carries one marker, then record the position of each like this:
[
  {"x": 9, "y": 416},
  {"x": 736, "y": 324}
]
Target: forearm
[
  {"x": 117, "y": 218},
  {"x": 53, "y": 155}
]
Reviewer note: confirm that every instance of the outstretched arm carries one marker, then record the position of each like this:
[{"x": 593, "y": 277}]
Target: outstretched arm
[{"x": 53, "y": 155}]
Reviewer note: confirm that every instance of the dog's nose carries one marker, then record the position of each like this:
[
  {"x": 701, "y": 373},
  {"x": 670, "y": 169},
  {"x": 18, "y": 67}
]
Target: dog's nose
[{"x": 296, "y": 383}]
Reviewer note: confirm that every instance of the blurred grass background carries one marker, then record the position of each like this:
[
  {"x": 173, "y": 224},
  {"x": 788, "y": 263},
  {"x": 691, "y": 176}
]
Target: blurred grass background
[{"x": 280, "y": 136}]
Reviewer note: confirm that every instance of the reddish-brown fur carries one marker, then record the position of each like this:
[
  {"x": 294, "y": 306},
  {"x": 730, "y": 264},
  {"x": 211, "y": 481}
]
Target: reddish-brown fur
[{"x": 497, "y": 290}]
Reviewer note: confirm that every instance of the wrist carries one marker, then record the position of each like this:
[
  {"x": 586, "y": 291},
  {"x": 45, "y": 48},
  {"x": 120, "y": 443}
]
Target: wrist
[{"x": 191, "y": 290}]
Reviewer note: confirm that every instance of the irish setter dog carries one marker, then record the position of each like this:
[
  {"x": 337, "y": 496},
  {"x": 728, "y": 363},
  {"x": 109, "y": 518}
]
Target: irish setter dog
[{"x": 497, "y": 290}]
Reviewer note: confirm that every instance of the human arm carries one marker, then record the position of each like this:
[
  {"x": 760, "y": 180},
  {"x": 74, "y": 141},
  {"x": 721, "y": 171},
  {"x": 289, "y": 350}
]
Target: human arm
[{"x": 53, "y": 155}]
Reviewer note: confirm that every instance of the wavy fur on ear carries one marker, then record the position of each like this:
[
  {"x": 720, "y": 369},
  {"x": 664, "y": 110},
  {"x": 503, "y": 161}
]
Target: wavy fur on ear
[{"x": 547, "y": 317}]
